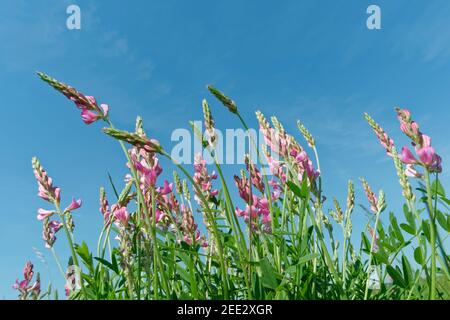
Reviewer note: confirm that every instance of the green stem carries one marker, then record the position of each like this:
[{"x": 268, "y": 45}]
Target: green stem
[
  {"x": 210, "y": 218},
  {"x": 372, "y": 244},
  {"x": 432, "y": 236}
]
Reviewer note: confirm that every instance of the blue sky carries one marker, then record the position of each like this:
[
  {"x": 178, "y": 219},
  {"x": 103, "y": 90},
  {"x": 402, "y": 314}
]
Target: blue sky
[{"x": 309, "y": 60}]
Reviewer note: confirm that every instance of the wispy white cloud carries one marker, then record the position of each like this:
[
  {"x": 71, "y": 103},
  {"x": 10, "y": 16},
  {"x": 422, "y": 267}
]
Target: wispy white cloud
[{"x": 426, "y": 35}]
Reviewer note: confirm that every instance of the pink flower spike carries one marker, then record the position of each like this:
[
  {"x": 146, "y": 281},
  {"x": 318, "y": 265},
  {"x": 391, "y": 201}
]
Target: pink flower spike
[
  {"x": 407, "y": 157},
  {"x": 43, "y": 214},
  {"x": 75, "y": 204},
  {"x": 28, "y": 271}
]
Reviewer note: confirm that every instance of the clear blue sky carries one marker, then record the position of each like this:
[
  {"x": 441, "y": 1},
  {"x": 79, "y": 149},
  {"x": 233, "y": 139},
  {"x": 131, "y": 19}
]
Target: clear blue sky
[{"x": 309, "y": 60}]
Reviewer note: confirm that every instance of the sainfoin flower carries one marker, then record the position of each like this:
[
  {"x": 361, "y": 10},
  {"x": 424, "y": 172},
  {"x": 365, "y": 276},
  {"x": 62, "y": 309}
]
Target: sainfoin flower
[
  {"x": 90, "y": 110},
  {"x": 275, "y": 138},
  {"x": 46, "y": 190},
  {"x": 189, "y": 228},
  {"x": 426, "y": 156},
  {"x": 75, "y": 204},
  {"x": 44, "y": 214},
  {"x": 382, "y": 136},
  {"x": 371, "y": 197},
  {"x": 49, "y": 229},
  {"x": 203, "y": 180},
  {"x": 120, "y": 215},
  {"x": 24, "y": 287},
  {"x": 104, "y": 207},
  {"x": 257, "y": 207}
]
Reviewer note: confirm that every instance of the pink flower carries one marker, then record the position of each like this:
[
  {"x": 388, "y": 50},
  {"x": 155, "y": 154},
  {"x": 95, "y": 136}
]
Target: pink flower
[
  {"x": 105, "y": 109},
  {"x": 49, "y": 229},
  {"x": 148, "y": 168},
  {"x": 371, "y": 197},
  {"x": 55, "y": 225},
  {"x": 276, "y": 193},
  {"x": 203, "y": 180},
  {"x": 427, "y": 158},
  {"x": 253, "y": 214},
  {"x": 243, "y": 187},
  {"x": 407, "y": 157},
  {"x": 427, "y": 155},
  {"x": 90, "y": 111},
  {"x": 28, "y": 271},
  {"x": 121, "y": 215},
  {"x": 44, "y": 214},
  {"x": 46, "y": 190},
  {"x": 239, "y": 212},
  {"x": 159, "y": 215},
  {"x": 168, "y": 187},
  {"x": 412, "y": 172},
  {"x": 276, "y": 168},
  {"x": 75, "y": 204},
  {"x": 104, "y": 207},
  {"x": 88, "y": 116},
  {"x": 24, "y": 286},
  {"x": 303, "y": 164},
  {"x": 256, "y": 176}
]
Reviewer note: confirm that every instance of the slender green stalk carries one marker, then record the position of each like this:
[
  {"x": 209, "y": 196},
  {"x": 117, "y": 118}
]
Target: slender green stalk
[
  {"x": 432, "y": 236},
  {"x": 372, "y": 244}
]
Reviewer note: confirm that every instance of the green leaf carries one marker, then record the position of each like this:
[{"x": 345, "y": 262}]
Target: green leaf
[
  {"x": 409, "y": 218},
  {"x": 294, "y": 188},
  {"x": 86, "y": 257},
  {"x": 437, "y": 187},
  {"x": 107, "y": 264},
  {"x": 407, "y": 271},
  {"x": 305, "y": 188},
  {"x": 407, "y": 228},
  {"x": 418, "y": 255},
  {"x": 301, "y": 261},
  {"x": 396, "y": 276},
  {"x": 426, "y": 229},
  {"x": 443, "y": 220},
  {"x": 381, "y": 257},
  {"x": 397, "y": 232},
  {"x": 267, "y": 275}
]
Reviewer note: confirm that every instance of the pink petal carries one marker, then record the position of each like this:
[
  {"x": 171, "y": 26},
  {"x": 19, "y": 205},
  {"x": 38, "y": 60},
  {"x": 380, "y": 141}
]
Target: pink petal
[
  {"x": 407, "y": 157},
  {"x": 42, "y": 214},
  {"x": 427, "y": 155}
]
